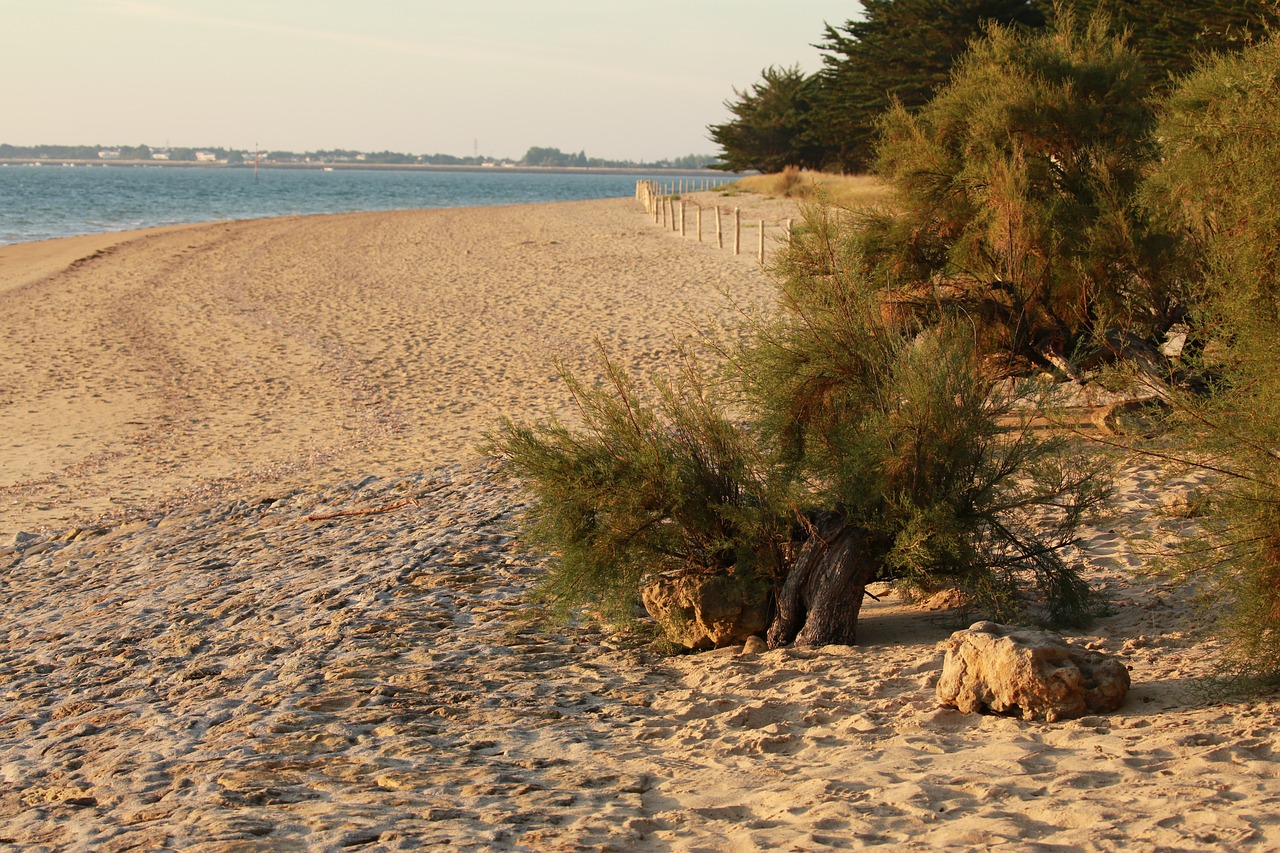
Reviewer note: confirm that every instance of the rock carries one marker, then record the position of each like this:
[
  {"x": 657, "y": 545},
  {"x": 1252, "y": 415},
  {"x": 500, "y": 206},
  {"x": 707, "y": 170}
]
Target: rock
[
  {"x": 996, "y": 668},
  {"x": 1175, "y": 341},
  {"x": 1132, "y": 417},
  {"x": 947, "y": 598},
  {"x": 754, "y": 646},
  {"x": 703, "y": 612}
]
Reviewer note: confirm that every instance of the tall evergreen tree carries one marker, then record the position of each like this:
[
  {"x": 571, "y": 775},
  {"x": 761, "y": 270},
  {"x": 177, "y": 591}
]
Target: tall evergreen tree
[
  {"x": 1171, "y": 37},
  {"x": 770, "y": 128},
  {"x": 901, "y": 50}
]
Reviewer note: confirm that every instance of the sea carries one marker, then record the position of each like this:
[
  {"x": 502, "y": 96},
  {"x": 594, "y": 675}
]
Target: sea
[{"x": 53, "y": 200}]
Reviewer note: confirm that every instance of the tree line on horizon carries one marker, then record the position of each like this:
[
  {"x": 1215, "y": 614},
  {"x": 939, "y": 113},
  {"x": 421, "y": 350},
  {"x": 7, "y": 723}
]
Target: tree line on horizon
[
  {"x": 535, "y": 156},
  {"x": 902, "y": 52}
]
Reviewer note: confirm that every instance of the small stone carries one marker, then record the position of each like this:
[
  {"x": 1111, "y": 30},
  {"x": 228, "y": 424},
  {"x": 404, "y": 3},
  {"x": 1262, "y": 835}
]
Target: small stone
[{"x": 754, "y": 646}]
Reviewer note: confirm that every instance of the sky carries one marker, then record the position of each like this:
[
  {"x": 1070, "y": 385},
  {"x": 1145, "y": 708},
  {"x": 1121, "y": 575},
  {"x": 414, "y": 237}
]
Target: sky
[{"x": 621, "y": 79}]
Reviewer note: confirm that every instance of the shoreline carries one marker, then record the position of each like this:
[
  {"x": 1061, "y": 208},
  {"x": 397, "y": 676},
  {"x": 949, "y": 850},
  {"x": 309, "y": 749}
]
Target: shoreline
[{"x": 405, "y": 167}]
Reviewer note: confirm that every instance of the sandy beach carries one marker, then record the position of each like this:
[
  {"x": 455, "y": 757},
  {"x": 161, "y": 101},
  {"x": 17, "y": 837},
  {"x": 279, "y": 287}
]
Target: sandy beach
[{"x": 200, "y": 651}]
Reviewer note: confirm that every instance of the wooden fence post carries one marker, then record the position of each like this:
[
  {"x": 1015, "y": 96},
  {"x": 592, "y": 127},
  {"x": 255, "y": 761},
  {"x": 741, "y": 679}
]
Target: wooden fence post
[
  {"x": 719, "y": 232},
  {"x": 737, "y": 230},
  {"x": 683, "y": 215},
  {"x": 760, "y": 252},
  {"x": 699, "y": 223}
]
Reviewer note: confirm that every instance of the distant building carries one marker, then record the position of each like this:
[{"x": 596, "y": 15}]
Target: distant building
[
  {"x": 206, "y": 157},
  {"x": 113, "y": 154},
  {"x": 159, "y": 155}
]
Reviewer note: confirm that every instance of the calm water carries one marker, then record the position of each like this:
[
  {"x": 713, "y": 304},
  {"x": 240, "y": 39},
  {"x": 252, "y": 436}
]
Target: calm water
[{"x": 39, "y": 202}]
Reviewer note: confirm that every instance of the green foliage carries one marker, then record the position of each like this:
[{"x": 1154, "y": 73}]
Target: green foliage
[
  {"x": 900, "y": 51},
  {"x": 904, "y": 51},
  {"x": 1017, "y": 190},
  {"x": 1171, "y": 37},
  {"x": 554, "y": 157},
  {"x": 644, "y": 489},
  {"x": 770, "y": 125},
  {"x": 899, "y": 430},
  {"x": 834, "y": 407},
  {"x": 1220, "y": 131}
]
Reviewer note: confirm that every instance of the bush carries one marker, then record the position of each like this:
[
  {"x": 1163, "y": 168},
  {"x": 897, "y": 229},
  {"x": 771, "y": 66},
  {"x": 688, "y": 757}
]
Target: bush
[
  {"x": 644, "y": 488},
  {"x": 859, "y": 433},
  {"x": 1220, "y": 132},
  {"x": 857, "y": 427},
  {"x": 897, "y": 430},
  {"x": 1017, "y": 190}
]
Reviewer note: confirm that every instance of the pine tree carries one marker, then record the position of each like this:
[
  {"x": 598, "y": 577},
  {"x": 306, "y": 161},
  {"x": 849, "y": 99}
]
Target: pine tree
[
  {"x": 1171, "y": 37},
  {"x": 771, "y": 125},
  {"x": 903, "y": 51}
]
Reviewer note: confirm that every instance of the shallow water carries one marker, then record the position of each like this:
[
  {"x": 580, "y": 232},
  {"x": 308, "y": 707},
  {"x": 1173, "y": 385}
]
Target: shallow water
[{"x": 42, "y": 202}]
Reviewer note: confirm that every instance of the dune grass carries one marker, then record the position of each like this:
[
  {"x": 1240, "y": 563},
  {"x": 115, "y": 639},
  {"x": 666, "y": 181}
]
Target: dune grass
[{"x": 850, "y": 191}]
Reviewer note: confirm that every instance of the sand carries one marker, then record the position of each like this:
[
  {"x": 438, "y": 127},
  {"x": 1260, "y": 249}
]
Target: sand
[
  {"x": 143, "y": 368},
  {"x": 199, "y": 652}
]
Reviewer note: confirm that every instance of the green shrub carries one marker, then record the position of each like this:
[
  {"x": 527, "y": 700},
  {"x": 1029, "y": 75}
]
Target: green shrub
[
  {"x": 644, "y": 488},
  {"x": 897, "y": 429},
  {"x": 1017, "y": 193},
  {"x": 1220, "y": 132},
  {"x": 859, "y": 432}
]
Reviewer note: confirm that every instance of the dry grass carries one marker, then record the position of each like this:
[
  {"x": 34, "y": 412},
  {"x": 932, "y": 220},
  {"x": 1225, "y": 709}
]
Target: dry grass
[{"x": 850, "y": 191}]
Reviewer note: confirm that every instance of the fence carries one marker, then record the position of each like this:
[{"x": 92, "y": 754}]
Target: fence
[{"x": 667, "y": 206}]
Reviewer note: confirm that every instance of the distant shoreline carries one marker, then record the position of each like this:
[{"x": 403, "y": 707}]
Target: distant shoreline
[{"x": 374, "y": 167}]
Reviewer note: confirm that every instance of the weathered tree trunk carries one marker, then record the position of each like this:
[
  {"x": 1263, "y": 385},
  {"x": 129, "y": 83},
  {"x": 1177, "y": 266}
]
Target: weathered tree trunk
[{"x": 821, "y": 598}]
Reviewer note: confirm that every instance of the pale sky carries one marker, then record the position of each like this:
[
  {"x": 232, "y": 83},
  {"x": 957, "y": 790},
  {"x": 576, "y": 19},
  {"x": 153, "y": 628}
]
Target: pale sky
[{"x": 622, "y": 79}]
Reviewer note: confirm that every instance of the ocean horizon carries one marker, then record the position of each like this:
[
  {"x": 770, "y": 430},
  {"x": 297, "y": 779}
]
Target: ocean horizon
[{"x": 52, "y": 200}]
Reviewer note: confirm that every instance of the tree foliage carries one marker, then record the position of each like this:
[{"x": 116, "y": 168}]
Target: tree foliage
[
  {"x": 899, "y": 432},
  {"x": 835, "y": 422},
  {"x": 1017, "y": 190},
  {"x": 1220, "y": 135},
  {"x": 553, "y": 157},
  {"x": 648, "y": 486},
  {"x": 904, "y": 51},
  {"x": 900, "y": 51},
  {"x": 1170, "y": 38},
  {"x": 771, "y": 125}
]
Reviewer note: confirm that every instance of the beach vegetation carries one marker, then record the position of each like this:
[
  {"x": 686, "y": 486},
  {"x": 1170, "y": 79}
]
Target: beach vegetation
[
  {"x": 770, "y": 125},
  {"x": 870, "y": 437},
  {"x": 1217, "y": 186},
  {"x": 903, "y": 52},
  {"x": 1016, "y": 197},
  {"x": 861, "y": 447},
  {"x": 851, "y": 192},
  {"x": 914, "y": 463},
  {"x": 1047, "y": 206},
  {"x": 655, "y": 481}
]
